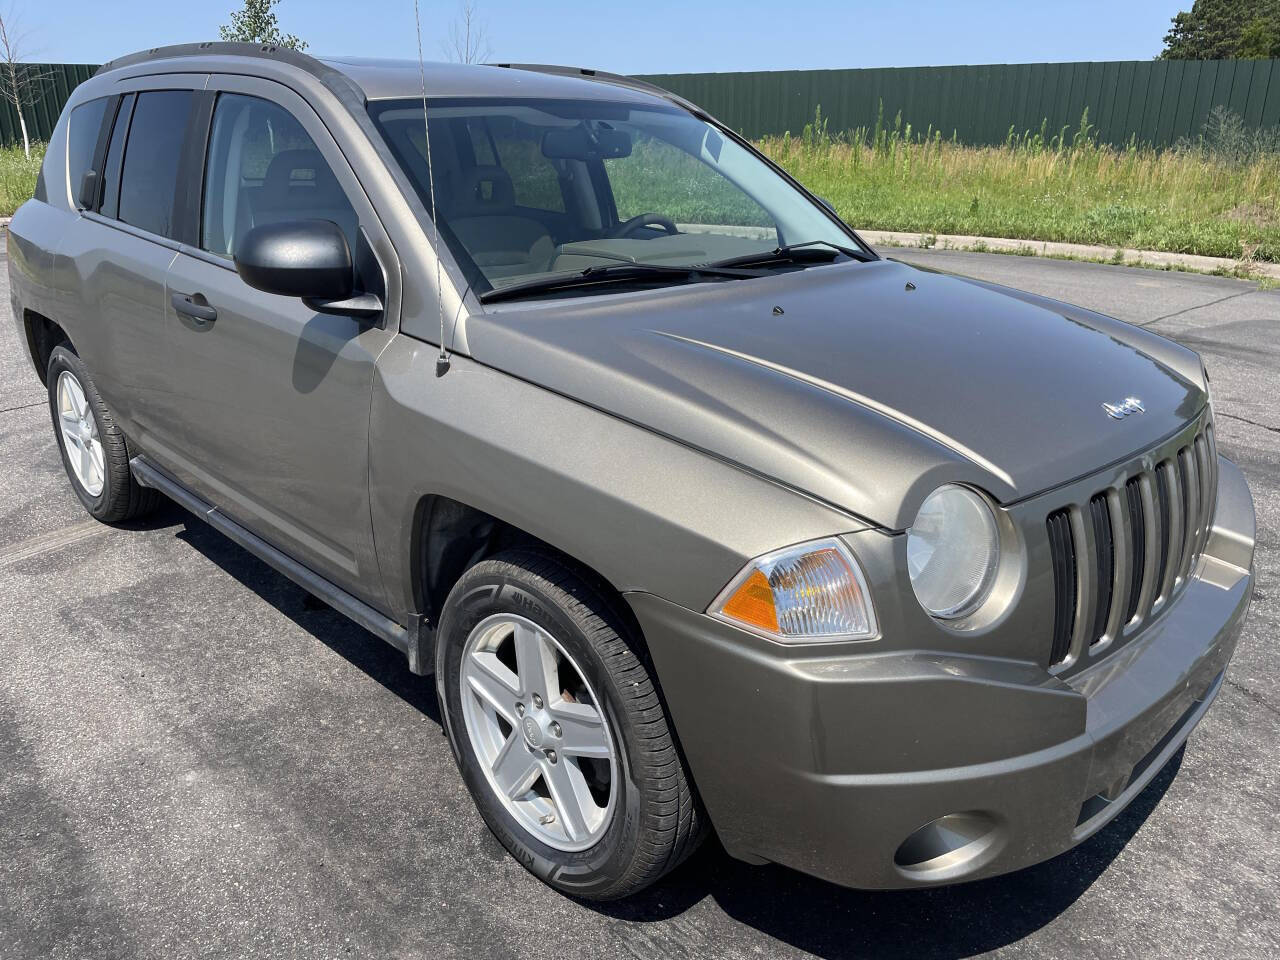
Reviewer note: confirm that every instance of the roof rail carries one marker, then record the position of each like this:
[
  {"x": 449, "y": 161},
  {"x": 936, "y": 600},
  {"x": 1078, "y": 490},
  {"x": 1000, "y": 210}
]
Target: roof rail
[
  {"x": 617, "y": 79},
  {"x": 342, "y": 86},
  {"x": 228, "y": 48}
]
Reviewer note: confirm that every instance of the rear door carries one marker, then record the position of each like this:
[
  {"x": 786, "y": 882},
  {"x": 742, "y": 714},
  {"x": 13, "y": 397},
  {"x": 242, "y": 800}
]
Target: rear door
[
  {"x": 271, "y": 400},
  {"x": 113, "y": 260}
]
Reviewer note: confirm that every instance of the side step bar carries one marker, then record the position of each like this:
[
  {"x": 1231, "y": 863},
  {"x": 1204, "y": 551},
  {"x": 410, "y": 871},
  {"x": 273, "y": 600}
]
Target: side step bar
[{"x": 416, "y": 641}]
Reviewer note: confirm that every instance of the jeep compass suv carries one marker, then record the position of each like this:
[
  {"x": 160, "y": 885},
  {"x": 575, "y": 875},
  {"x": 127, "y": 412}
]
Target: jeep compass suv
[{"x": 701, "y": 513}]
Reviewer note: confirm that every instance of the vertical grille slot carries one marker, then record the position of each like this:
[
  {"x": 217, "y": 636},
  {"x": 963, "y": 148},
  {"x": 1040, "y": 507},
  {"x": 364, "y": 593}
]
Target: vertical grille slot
[
  {"x": 1213, "y": 468},
  {"x": 1205, "y": 468},
  {"x": 1062, "y": 550},
  {"x": 1190, "y": 474},
  {"x": 1175, "y": 521},
  {"x": 1104, "y": 559},
  {"x": 1164, "y": 517},
  {"x": 1138, "y": 540}
]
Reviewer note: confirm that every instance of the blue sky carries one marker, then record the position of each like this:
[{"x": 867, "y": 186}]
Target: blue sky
[{"x": 651, "y": 36}]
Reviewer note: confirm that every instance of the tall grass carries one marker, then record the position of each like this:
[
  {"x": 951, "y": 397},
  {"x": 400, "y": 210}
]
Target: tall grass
[
  {"x": 18, "y": 176},
  {"x": 1044, "y": 185}
]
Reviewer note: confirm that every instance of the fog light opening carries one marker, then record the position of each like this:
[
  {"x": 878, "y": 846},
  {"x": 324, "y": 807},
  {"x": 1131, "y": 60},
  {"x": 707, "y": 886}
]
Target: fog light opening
[{"x": 950, "y": 846}]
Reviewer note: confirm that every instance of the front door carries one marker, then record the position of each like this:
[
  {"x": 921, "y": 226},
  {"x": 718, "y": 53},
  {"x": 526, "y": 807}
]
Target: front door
[{"x": 273, "y": 398}]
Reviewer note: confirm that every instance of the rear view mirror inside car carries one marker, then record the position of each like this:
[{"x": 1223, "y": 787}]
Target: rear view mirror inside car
[{"x": 583, "y": 143}]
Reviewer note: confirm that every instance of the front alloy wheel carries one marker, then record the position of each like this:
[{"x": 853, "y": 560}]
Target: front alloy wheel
[
  {"x": 543, "y": 743},
  {"x": 553, "y": 715}
]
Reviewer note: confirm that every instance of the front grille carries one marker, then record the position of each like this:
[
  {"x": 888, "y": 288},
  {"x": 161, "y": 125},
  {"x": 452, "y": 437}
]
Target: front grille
[{"x": 1121, "y": 556}]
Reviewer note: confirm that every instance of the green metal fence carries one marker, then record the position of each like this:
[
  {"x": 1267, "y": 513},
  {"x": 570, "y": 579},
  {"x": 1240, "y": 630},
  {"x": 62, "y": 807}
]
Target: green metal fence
[
  {"x": 1158, "y": 101},
  {"x": 51, "y": 85}
]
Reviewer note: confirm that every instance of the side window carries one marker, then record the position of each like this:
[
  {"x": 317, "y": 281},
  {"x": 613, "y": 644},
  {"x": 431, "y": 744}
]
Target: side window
[
  {"x": 149, "y": 178},
  {"x": 110, "y": 206},
  {"x": 533, "y": 176},
  {"x": 82, "y": 139},
  {"x": 262, "y": 167}
]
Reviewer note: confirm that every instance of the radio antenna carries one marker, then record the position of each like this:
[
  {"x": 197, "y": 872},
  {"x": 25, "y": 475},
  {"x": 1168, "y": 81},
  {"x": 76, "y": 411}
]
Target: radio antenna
[{"x": 442, "y": 361}]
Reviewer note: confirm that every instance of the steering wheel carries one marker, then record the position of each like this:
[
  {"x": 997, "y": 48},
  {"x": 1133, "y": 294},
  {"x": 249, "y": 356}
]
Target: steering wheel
[{"x": 624, "y": 230}]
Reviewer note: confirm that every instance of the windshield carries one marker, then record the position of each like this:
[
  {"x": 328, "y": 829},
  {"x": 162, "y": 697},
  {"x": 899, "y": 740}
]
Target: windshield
[{"x": 532, "y": 189}]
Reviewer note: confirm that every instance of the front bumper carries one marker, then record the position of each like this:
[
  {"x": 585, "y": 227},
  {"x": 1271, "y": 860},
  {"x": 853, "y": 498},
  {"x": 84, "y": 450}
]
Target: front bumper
[{"x": 912, "y": 769}]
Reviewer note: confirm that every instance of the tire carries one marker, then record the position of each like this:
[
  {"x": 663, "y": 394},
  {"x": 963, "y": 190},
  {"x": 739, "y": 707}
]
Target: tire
[
  {"x": 654, "y": 820},
  {"x": 101, "y": 479}
]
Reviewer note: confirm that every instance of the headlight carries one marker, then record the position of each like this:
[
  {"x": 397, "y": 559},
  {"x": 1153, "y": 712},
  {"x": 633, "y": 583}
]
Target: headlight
[
  {"x": 953, "y": 549},
  {"x": 810, "y": 593}
]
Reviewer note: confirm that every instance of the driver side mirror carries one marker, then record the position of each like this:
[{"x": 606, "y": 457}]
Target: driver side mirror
[{"x": 309, "y": 259}]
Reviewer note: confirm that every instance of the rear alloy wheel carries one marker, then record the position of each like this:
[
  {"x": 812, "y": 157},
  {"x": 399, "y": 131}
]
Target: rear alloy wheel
[
  {"x": 94, "y": 450},
  {"x": 555, "y": 721},
  {"x": 80, "y": 435}
]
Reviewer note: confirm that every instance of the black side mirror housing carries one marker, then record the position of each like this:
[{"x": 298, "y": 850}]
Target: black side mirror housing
[{"x": 309, "y": 259}]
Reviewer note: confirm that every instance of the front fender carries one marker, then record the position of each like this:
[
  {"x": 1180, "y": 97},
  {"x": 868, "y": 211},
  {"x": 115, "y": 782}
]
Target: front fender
[{"x": 644, "y": 511}]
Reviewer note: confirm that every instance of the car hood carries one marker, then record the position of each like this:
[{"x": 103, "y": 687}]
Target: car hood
[{"x": 864, "y": 385}]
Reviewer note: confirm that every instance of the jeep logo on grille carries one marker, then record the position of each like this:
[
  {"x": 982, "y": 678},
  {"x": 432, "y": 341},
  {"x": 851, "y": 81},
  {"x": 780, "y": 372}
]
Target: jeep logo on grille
[{"x": 1118, "y": 411}]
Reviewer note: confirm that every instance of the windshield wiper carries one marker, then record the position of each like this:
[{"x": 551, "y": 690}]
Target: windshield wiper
[
  {"x": 613, "y": 273},
  {"x": 823, "y": 250}
]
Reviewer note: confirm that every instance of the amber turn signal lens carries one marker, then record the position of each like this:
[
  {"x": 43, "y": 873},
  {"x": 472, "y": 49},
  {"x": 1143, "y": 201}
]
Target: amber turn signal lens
[
  {"x": 810, "y": 593},
  {"x": 752, "y": 603}
]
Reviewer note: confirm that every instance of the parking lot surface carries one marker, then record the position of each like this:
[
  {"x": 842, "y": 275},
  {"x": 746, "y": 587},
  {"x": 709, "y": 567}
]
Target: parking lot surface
[{"x": 197, "y": 760}]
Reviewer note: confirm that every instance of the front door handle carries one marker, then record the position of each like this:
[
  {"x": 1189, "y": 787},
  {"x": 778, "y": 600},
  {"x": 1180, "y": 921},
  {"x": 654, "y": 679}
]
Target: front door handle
[{"x": 188, "y": 306}]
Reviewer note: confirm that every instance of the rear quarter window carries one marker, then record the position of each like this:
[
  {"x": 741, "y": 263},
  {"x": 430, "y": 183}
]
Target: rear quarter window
[{"x": 82, "y": 139}]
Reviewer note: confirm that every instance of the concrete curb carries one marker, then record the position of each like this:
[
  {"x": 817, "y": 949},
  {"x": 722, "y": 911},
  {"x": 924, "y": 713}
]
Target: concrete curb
[{"x": 1078, "y": 251}]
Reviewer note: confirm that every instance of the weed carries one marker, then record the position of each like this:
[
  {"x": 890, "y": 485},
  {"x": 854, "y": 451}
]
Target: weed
[
  {"x": 1213, "y": 198},
  {"x": 18, "y": 176}
]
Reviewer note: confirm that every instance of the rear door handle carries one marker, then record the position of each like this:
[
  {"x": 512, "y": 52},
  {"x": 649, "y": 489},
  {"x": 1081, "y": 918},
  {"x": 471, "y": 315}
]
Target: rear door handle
[{"x": 186, "y": 305}]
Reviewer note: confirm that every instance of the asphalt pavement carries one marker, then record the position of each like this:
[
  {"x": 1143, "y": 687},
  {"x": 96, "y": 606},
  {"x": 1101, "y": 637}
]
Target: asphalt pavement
[{"x": 197, "y": 760}]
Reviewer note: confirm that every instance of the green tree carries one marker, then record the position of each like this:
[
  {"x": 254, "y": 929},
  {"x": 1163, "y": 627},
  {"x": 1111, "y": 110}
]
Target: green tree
[
  {"x": 1225, "y": 30},
  {"x": 256, "y": 23},
  {"x": 1260, "y": 39}
]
